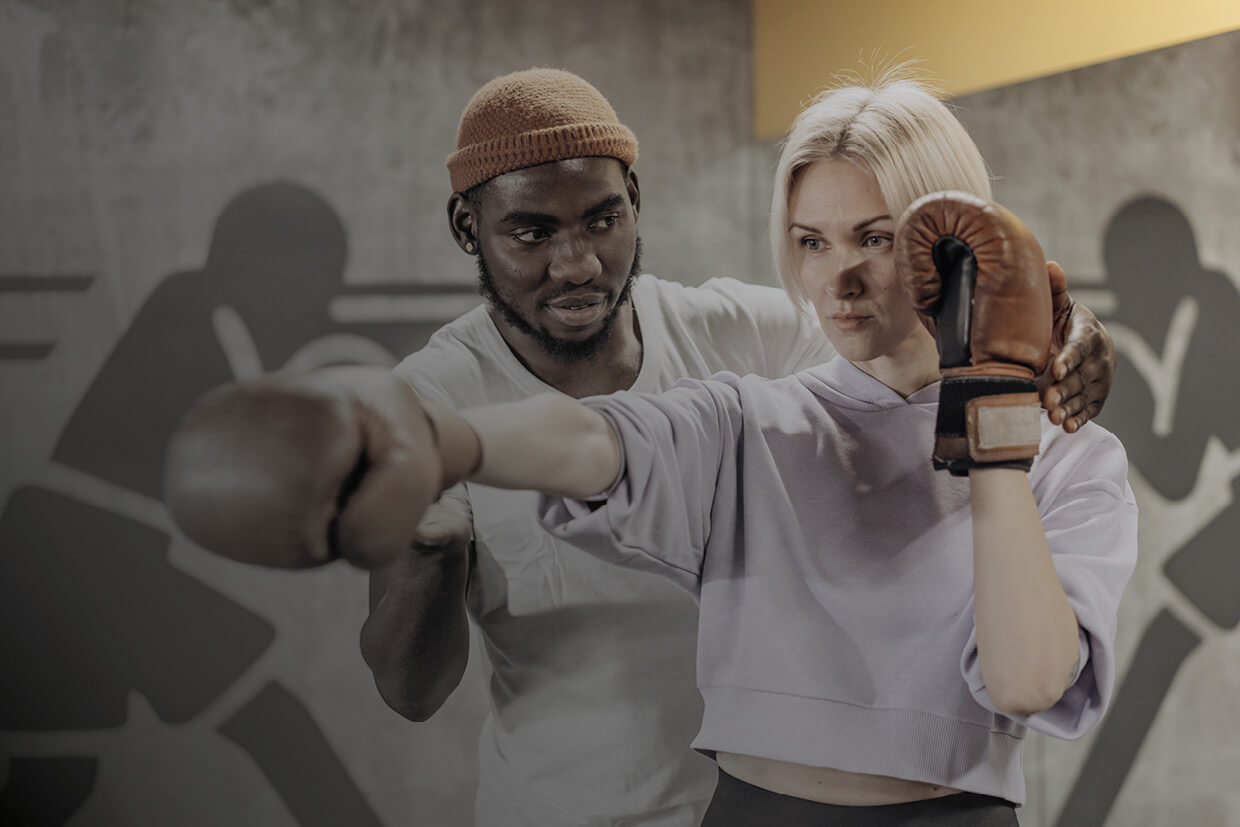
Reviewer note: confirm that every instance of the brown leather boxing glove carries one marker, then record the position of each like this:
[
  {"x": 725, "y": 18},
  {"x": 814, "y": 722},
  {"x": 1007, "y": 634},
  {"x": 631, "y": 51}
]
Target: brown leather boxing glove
[
  {"x": 978, "y": 273},
  {"x": 295, "y": 470}
]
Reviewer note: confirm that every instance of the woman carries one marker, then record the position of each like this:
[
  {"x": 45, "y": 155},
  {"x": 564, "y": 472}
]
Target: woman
[{"x": 872, "y": 644}]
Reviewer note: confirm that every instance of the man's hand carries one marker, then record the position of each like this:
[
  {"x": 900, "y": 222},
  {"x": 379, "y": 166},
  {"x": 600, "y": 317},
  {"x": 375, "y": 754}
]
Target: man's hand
[
  {"x": 1076, "y": 382},
  {"x": 442, "y": 530}
]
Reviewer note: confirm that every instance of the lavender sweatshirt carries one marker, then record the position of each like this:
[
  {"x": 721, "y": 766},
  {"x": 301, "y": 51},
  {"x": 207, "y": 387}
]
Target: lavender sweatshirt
[{"x": 833, "y": 569}]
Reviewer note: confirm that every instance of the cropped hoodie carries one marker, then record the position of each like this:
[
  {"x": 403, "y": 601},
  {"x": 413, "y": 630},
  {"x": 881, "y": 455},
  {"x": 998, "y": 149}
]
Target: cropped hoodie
[{"x": 833, "y": 569}]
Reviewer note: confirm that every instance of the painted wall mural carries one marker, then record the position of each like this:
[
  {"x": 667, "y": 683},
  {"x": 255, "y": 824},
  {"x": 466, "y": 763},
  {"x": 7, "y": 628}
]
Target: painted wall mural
[
  {"x": 1176, "y": 325},
  {"x": 90, "y": 609}
]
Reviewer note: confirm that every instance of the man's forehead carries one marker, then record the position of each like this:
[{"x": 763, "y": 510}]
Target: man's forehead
[{"x": 569, "y": 182}]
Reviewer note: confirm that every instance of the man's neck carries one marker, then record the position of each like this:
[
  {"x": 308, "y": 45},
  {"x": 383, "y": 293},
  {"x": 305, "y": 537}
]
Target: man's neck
[{"x": 613, "y": 368}]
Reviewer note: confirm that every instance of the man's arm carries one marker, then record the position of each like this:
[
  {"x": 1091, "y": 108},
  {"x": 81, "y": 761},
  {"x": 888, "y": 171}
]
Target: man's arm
[
  {"x": 296, "y": 470},
  {"x": 416, "y": 638}
]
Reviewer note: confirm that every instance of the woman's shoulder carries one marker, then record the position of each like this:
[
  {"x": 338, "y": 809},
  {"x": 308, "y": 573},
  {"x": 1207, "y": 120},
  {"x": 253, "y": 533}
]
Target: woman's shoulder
[{"x": 1092, "y": 453}]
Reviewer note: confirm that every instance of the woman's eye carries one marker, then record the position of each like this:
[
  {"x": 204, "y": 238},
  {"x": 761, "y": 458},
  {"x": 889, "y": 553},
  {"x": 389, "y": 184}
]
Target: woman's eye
[
  {"x": 876, "y": 240},
  {"x": 811, "y": 243}
]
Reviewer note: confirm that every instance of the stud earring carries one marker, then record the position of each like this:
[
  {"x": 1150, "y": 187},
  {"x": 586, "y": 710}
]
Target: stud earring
[{"x": 469, "y": 246}]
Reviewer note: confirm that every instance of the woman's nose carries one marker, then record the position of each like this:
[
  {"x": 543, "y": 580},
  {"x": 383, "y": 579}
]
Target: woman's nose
[{"x": 844, "y": 278}]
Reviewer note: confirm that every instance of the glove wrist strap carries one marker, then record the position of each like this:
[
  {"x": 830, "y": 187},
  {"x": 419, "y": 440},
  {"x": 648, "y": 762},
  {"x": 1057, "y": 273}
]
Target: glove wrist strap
[{"x": 986, "y": 420}]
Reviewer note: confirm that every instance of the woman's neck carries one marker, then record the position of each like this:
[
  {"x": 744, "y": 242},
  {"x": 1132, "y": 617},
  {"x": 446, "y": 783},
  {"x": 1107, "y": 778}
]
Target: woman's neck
[{"x": 913, "y": 364}]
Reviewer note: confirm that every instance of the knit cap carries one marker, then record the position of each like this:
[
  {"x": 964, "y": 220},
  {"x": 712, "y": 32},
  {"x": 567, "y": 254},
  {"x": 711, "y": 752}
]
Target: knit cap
[{"x": 534, "y": 117}]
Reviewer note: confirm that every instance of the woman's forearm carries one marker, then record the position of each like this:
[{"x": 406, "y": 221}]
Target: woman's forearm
[
  {"x": 1027, "y": 632},
  {"x": 548, "y": 443}
]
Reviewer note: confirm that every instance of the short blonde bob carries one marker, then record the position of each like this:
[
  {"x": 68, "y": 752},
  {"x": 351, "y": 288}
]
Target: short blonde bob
[{"x": 896, "y": 126}]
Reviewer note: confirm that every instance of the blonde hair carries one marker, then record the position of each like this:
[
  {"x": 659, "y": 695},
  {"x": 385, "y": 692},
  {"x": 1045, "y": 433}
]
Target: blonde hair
[{"x": 898, "y": 127}]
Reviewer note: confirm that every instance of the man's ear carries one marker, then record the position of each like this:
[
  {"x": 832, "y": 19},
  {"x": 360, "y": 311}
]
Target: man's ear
[
  {"x": 463, "y": 223},
  {"x": 635, "y": 195}
]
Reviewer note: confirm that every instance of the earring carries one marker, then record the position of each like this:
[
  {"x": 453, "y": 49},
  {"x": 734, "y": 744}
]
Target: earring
[{"x": 469, "y": 246}]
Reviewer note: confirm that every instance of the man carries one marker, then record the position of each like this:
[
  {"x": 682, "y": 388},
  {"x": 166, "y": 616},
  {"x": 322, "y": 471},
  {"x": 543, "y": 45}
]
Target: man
[{"x": 593, "y": 696}]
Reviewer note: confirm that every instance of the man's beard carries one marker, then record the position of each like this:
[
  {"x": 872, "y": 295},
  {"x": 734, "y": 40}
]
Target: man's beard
[{"x": 564, "y": 351}]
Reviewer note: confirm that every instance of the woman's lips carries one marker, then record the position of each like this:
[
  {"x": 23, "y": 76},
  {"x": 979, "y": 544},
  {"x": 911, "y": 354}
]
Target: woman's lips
[{"x": 850, "y": 321}]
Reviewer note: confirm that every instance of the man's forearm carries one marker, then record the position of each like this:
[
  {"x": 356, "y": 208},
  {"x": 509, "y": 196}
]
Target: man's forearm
[{"x": 416, "y": 639}]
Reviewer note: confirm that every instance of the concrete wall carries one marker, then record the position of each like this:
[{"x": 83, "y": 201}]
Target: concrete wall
[
  {"x": 197, "y": 191},
  {"x": 194, "y": 191},
  {"x": 1129, "y": 172}
]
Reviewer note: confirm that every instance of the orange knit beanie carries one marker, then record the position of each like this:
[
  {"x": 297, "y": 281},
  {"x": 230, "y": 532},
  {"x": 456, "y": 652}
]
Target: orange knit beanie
[{"x": 535, "y": 117}]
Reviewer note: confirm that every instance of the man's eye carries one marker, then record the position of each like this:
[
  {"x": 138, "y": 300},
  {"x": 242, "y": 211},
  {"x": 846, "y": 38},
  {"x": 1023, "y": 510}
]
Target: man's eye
[
  {"x": 876, "y": 240},
  {"x": 530, "y": 236},
  {"x": 604, "y": 222}
]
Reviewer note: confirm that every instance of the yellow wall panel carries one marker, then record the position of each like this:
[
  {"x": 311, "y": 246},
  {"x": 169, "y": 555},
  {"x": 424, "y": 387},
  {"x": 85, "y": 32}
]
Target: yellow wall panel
[{"x": 967, "y": 45}]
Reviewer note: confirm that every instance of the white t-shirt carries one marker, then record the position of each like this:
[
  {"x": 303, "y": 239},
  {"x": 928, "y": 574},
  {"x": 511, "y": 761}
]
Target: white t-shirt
[{"x": 594, "y": 703}]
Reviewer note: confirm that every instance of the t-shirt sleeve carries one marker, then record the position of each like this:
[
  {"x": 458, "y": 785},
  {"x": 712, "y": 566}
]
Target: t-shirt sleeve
[
  {"x": 657, "y": 514},
  {"x": 1090, "y": 518},
  {"x": 766, "y": 332}
]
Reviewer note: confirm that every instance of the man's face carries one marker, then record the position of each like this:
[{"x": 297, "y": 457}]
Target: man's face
[{"x": 559, "y": 251}]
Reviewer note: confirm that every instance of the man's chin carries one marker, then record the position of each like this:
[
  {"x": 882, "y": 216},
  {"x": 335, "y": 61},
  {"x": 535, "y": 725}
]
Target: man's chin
[{"x": 575, "y": 344}]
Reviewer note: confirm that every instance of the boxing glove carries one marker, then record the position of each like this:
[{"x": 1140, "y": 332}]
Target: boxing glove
[
  {"x": 975, "y": 271},
  {"x": 294, "y": 470}
]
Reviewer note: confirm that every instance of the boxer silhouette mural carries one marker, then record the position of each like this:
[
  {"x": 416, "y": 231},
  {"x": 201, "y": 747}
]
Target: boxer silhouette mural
[
  {"x": 1176, "y": 413},
  {"x": 90, "y": 607}
]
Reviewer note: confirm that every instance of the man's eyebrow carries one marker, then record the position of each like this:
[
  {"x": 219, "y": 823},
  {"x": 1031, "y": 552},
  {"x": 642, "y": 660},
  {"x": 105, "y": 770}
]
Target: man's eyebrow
[
  {"x": 609, "y": 203},
  {"x": 525, "y": 217}
]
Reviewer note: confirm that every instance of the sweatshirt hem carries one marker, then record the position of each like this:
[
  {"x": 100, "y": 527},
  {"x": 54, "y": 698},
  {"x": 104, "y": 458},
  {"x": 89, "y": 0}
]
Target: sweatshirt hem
[{"x": 819, "y": 732}]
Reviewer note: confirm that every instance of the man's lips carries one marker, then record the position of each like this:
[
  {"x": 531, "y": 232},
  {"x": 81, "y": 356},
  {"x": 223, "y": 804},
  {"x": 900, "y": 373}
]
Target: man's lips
[
  {"x": 576, "y": 301},
  {"x": 579, "y": 310}
]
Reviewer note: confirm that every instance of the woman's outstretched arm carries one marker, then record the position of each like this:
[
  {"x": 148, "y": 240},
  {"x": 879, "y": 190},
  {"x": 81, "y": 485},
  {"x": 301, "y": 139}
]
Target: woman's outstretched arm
[{"x": 548, "y": 443}]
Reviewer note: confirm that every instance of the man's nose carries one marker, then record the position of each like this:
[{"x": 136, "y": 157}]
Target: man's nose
[{"x": 574, "y": 261}]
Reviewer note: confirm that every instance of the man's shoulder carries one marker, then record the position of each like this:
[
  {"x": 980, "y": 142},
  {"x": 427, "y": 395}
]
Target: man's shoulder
[
  {"x": 719, "y": 306},
  {"x": 725, "y": 323},
  {"x": 453, "y": 363},
  {"x": 714, "y": 294}
]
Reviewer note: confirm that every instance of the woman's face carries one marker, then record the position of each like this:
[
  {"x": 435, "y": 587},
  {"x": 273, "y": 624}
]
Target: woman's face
[{"x": 841, "y": 235}]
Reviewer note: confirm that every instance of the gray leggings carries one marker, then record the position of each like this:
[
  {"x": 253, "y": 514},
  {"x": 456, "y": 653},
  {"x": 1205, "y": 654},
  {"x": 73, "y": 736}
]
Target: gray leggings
[{"x": 738, "y": 804}]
